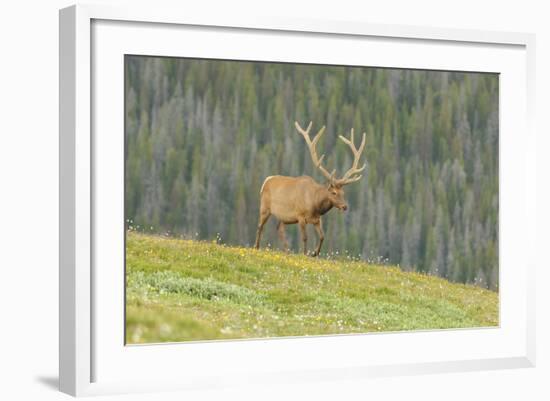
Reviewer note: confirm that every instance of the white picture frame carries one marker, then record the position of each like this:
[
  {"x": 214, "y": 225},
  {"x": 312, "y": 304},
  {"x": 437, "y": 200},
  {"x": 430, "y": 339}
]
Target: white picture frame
[{"x": 86, "y": 351}]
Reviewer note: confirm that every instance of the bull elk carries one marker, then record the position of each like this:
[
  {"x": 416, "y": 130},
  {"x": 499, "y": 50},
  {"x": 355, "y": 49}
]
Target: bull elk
[{"x": 302, "y": 200}]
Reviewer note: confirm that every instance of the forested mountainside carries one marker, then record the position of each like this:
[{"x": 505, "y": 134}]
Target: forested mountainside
[{"x": 202, "y": 135}]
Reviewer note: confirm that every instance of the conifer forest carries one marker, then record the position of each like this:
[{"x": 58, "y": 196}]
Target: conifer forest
[{"x": 202, "y": 135}]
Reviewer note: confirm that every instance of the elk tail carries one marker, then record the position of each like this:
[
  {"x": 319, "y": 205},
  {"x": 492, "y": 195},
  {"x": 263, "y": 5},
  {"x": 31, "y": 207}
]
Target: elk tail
[{"x": 265, "y": 181}]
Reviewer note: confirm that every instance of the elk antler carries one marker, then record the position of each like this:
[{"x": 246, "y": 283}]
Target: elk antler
[
  {"x": 311, "y": 144},
  {"x": 350, "y": 175}
]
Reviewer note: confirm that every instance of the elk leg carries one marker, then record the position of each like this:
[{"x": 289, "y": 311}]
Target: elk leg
[
  {"x": 303, "y": 231},
  {"x": 282, "y": 236},
  {"x": 319, "y": 229},
  {"x": 264, "y": 215}
]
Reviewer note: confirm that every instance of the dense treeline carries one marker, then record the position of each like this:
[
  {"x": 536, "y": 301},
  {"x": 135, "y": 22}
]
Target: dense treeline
[{"x": 202, "y": 135}]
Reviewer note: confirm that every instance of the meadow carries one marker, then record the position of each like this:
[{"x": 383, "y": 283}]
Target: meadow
[{"x": 187, "y": 290}]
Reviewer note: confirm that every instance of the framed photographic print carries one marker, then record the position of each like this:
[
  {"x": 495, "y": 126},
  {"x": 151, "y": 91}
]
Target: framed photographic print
[{"x": 272, "y": 200}]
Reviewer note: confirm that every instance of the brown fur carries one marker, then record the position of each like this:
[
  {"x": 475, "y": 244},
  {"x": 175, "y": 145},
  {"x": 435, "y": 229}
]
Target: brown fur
[{"x": 297, "y": 200}]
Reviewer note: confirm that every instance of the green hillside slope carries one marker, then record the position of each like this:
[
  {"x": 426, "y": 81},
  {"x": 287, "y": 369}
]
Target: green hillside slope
[{"x": 180, "y": 290}]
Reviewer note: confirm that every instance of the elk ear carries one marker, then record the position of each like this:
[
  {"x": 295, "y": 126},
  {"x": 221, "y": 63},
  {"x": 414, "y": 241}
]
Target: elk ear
[{"x": 332, "y": 180}]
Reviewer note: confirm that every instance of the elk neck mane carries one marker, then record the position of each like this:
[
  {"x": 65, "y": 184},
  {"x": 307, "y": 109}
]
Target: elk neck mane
[{"x": 322, "y": 201}]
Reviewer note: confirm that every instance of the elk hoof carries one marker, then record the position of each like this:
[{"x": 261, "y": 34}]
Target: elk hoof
[{"x": 313, "y": 254}]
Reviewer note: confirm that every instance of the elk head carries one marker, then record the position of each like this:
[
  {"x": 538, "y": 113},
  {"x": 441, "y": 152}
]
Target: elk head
[{"x": 335, "y": 185}]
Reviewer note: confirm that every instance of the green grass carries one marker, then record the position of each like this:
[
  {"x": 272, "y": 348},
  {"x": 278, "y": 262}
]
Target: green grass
[{"x": 181, "y": 290}]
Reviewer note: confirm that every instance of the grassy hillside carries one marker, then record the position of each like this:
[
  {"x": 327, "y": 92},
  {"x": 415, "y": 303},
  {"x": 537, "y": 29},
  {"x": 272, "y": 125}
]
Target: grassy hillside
[{"x": 179, "y": 290}]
